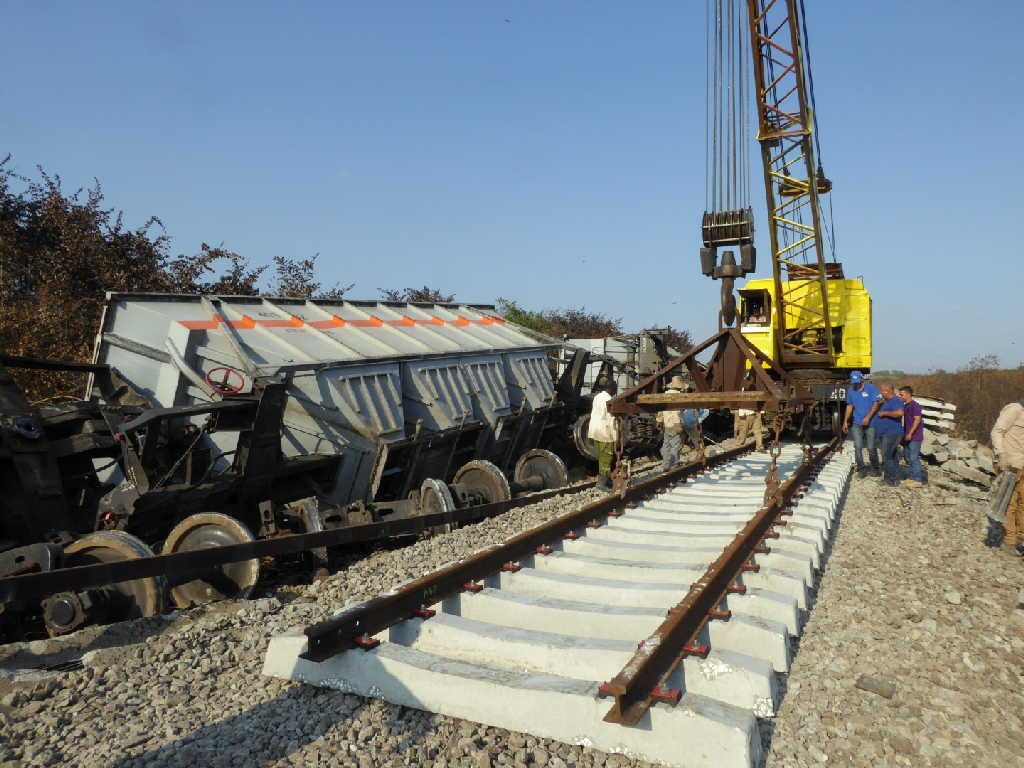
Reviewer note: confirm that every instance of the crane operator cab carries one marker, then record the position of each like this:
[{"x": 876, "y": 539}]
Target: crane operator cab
[{"x": 849, "y": 309}]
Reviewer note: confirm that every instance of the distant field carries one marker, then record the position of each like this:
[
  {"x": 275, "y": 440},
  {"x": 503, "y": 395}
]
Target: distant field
[{"x": 979, "y": 395}]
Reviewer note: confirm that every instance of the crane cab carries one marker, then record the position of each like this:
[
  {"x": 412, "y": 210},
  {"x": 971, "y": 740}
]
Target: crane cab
[{"x": 849, "y": 315}]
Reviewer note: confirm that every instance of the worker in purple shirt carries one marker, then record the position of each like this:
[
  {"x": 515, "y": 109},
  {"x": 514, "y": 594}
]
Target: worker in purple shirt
[
  {"x": 888, "y": 424},
  {"x": 913, "y": 436}
]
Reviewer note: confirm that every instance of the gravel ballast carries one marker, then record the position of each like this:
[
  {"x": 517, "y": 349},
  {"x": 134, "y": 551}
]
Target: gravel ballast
[
  {"x": 891, "y": 670},
  {"x": 914, "y": 651}
]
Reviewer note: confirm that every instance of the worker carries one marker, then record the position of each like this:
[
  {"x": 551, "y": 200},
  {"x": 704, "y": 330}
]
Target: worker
[
  {"x": 888, "y": 426},
  {"x": 745, "y": 420},
  {"x": 692, "y": 420},
  {"x": 913, "y": 436},
  {"x": 604, "y": 431},
  {"x": 1008, "y": 445},
  {"x": 862, "y": 402},
  {"x": 671, "y": 427}
]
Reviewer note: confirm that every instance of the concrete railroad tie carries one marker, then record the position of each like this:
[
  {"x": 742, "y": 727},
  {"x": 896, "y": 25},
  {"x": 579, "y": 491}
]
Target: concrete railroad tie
[{"x": 528, "y": 652}]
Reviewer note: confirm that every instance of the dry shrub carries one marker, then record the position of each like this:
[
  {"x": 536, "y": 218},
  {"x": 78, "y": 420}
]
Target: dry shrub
[{"x": 979, "y": 395}]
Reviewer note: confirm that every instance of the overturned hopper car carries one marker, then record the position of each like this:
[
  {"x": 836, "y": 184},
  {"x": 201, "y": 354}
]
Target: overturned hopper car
[{"x": 429, "y": 406}]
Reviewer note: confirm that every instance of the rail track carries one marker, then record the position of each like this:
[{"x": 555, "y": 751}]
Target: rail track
[{"x": 654, "y": 622}]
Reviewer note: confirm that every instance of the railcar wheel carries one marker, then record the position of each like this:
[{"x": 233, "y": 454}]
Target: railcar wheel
[
  {"x": 481, "y": 482},
  {"x": 541, "y": 462},
  {"x": 230, "y": 580},
  {"x": 435, "y": 497},
  {"x": 579, "y": 435},
  {"x": 127, "y": 599}
]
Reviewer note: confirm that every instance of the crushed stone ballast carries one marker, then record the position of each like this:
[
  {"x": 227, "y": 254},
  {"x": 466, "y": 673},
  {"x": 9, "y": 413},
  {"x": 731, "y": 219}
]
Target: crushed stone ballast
[{"x": 652, "y": 623}]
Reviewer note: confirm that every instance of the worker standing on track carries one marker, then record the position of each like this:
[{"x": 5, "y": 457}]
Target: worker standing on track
[
  {"x": 862, "y": 402},
  {"x": 745, "y": 420},
  {"x": 604, "y": 431},
  {"x": 1008, "y": 444},
  {"x": 888, "y": 426},
  {"x": 671, "y": 428}
]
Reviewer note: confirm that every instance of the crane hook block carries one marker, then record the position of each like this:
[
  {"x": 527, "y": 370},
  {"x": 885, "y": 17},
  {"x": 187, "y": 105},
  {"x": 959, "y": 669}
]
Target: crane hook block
[{"x": 713, "y": 267}]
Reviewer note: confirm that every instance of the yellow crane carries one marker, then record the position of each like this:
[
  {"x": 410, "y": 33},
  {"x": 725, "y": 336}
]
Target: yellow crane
[{"x": 808, "y": 317}]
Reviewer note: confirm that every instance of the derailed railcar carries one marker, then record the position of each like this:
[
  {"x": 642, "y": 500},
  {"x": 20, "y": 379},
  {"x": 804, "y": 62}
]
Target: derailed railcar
[{"x": 417, "y": 399}]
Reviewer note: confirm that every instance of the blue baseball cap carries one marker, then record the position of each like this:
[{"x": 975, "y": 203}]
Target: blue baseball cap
[{"x": 856, "y": 377}]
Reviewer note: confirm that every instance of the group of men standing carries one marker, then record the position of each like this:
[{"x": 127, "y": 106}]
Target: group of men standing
[{"x": 882, "y": 420}]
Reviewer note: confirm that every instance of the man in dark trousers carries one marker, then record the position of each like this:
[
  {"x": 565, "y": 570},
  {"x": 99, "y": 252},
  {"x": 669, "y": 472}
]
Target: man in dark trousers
[
  {"x": 862, "y": 402},
  {"x": 888, "y": 425},
  {"x": 913, "y": 436}
]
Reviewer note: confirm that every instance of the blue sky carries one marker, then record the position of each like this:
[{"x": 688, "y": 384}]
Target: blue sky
[{"x": 556, "y": 158}]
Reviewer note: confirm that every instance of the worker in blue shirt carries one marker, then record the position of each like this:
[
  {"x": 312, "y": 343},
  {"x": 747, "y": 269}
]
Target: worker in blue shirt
[
  {"x": 862, "y": 403},
  {"x": 888, "y": 426},
  {"x": 691, "y": 420}
]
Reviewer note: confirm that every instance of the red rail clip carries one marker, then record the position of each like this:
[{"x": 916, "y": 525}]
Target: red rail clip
[
  {"x": 714, "y": 613},
  {"x": 510, "y": 567},
  {"x": 469, "y": 586},
  {"x": 366, "y": 642},
  {"x": 696, "y": 650},
  {"x": 543, "y": 549},
  {"x": 786, "y": 512},
  {"x": 604, "y": 690},
  {"x": 631, "y": 505},
  {"x": 571, "y": 535},
  {"x": 424, "y": 613},
  {"x": 736, "y": 589},
  {"x": 771, "y": 534},
  {"x": 781, "y": 522},
  {"x": 615, "y": 513},
  {"x": 670, "y": 695},
  {"x": 751, "y": 567},
  {"x": 593, "y": 524}
]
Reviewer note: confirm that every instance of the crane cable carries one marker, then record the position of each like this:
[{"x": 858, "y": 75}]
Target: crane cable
[{"x": 727, "y": 186}]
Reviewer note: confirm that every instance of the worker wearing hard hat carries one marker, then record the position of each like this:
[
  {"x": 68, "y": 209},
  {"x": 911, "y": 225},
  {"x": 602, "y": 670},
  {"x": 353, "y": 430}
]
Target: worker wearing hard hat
[
  {"x": 1008, "y": 445},
  {"x": 671, "y": 427},
  {"x": 604, "y": 431}
]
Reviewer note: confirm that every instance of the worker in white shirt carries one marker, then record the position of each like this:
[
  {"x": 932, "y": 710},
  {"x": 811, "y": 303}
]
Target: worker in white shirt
[
  {"x": 1008, "y": 444},
  {"x": 745, "y": 420},
  {"x": 671, "y": 428},
  {"x": 604, "y": 431}
]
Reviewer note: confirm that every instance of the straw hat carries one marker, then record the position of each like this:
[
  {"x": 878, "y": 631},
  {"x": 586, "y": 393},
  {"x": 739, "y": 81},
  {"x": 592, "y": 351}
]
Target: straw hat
[{"x": 676, "y": 382}]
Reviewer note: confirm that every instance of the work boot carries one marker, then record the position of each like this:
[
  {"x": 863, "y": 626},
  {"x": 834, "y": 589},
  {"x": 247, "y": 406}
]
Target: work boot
[{"x": 994, "y": 538}]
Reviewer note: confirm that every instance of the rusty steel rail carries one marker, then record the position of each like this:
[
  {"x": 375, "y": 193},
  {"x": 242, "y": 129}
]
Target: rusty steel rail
[
  {"x": 182, "y": 565},
  {"x": 640, "y": 683},
  {"x": 352, "y": 628}
]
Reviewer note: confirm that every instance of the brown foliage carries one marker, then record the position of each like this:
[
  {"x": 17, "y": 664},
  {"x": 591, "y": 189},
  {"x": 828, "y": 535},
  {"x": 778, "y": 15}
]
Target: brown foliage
[
  {"x": 425, "y": 295},
  {"x": 576, "y": 323},
  {"x": 59, "y": 255},
  {"x": 979, "y": 395}
]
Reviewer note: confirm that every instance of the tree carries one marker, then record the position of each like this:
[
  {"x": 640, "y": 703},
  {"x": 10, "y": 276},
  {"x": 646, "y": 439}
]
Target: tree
[
  {"x": 988, "y": 362},
  {"x": 61, "y": 252},
  {"x": 422, "y": 295},
  {"x": 575, "y": 323},
  {"x": 679, "y": 340},
  {"x": 297, "y": 278}
]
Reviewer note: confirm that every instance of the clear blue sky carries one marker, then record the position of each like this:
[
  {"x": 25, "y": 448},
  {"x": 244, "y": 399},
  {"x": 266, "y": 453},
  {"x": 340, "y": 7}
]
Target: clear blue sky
[{"x": 556, "y": 158}]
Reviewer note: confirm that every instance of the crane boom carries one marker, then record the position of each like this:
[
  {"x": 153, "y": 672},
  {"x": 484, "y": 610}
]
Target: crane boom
[{"x": 793, "y": 182}]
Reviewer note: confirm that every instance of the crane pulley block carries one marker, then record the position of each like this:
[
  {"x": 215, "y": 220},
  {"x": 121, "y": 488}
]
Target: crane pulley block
[{"x": 725, "y": 228}]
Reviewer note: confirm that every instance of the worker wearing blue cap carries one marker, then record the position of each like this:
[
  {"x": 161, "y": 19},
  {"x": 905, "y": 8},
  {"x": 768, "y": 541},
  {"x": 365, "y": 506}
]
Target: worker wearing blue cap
[{"x": 862, "y": 402}]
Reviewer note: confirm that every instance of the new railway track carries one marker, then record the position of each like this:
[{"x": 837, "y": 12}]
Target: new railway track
[{"x": 653, "y": 622}]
